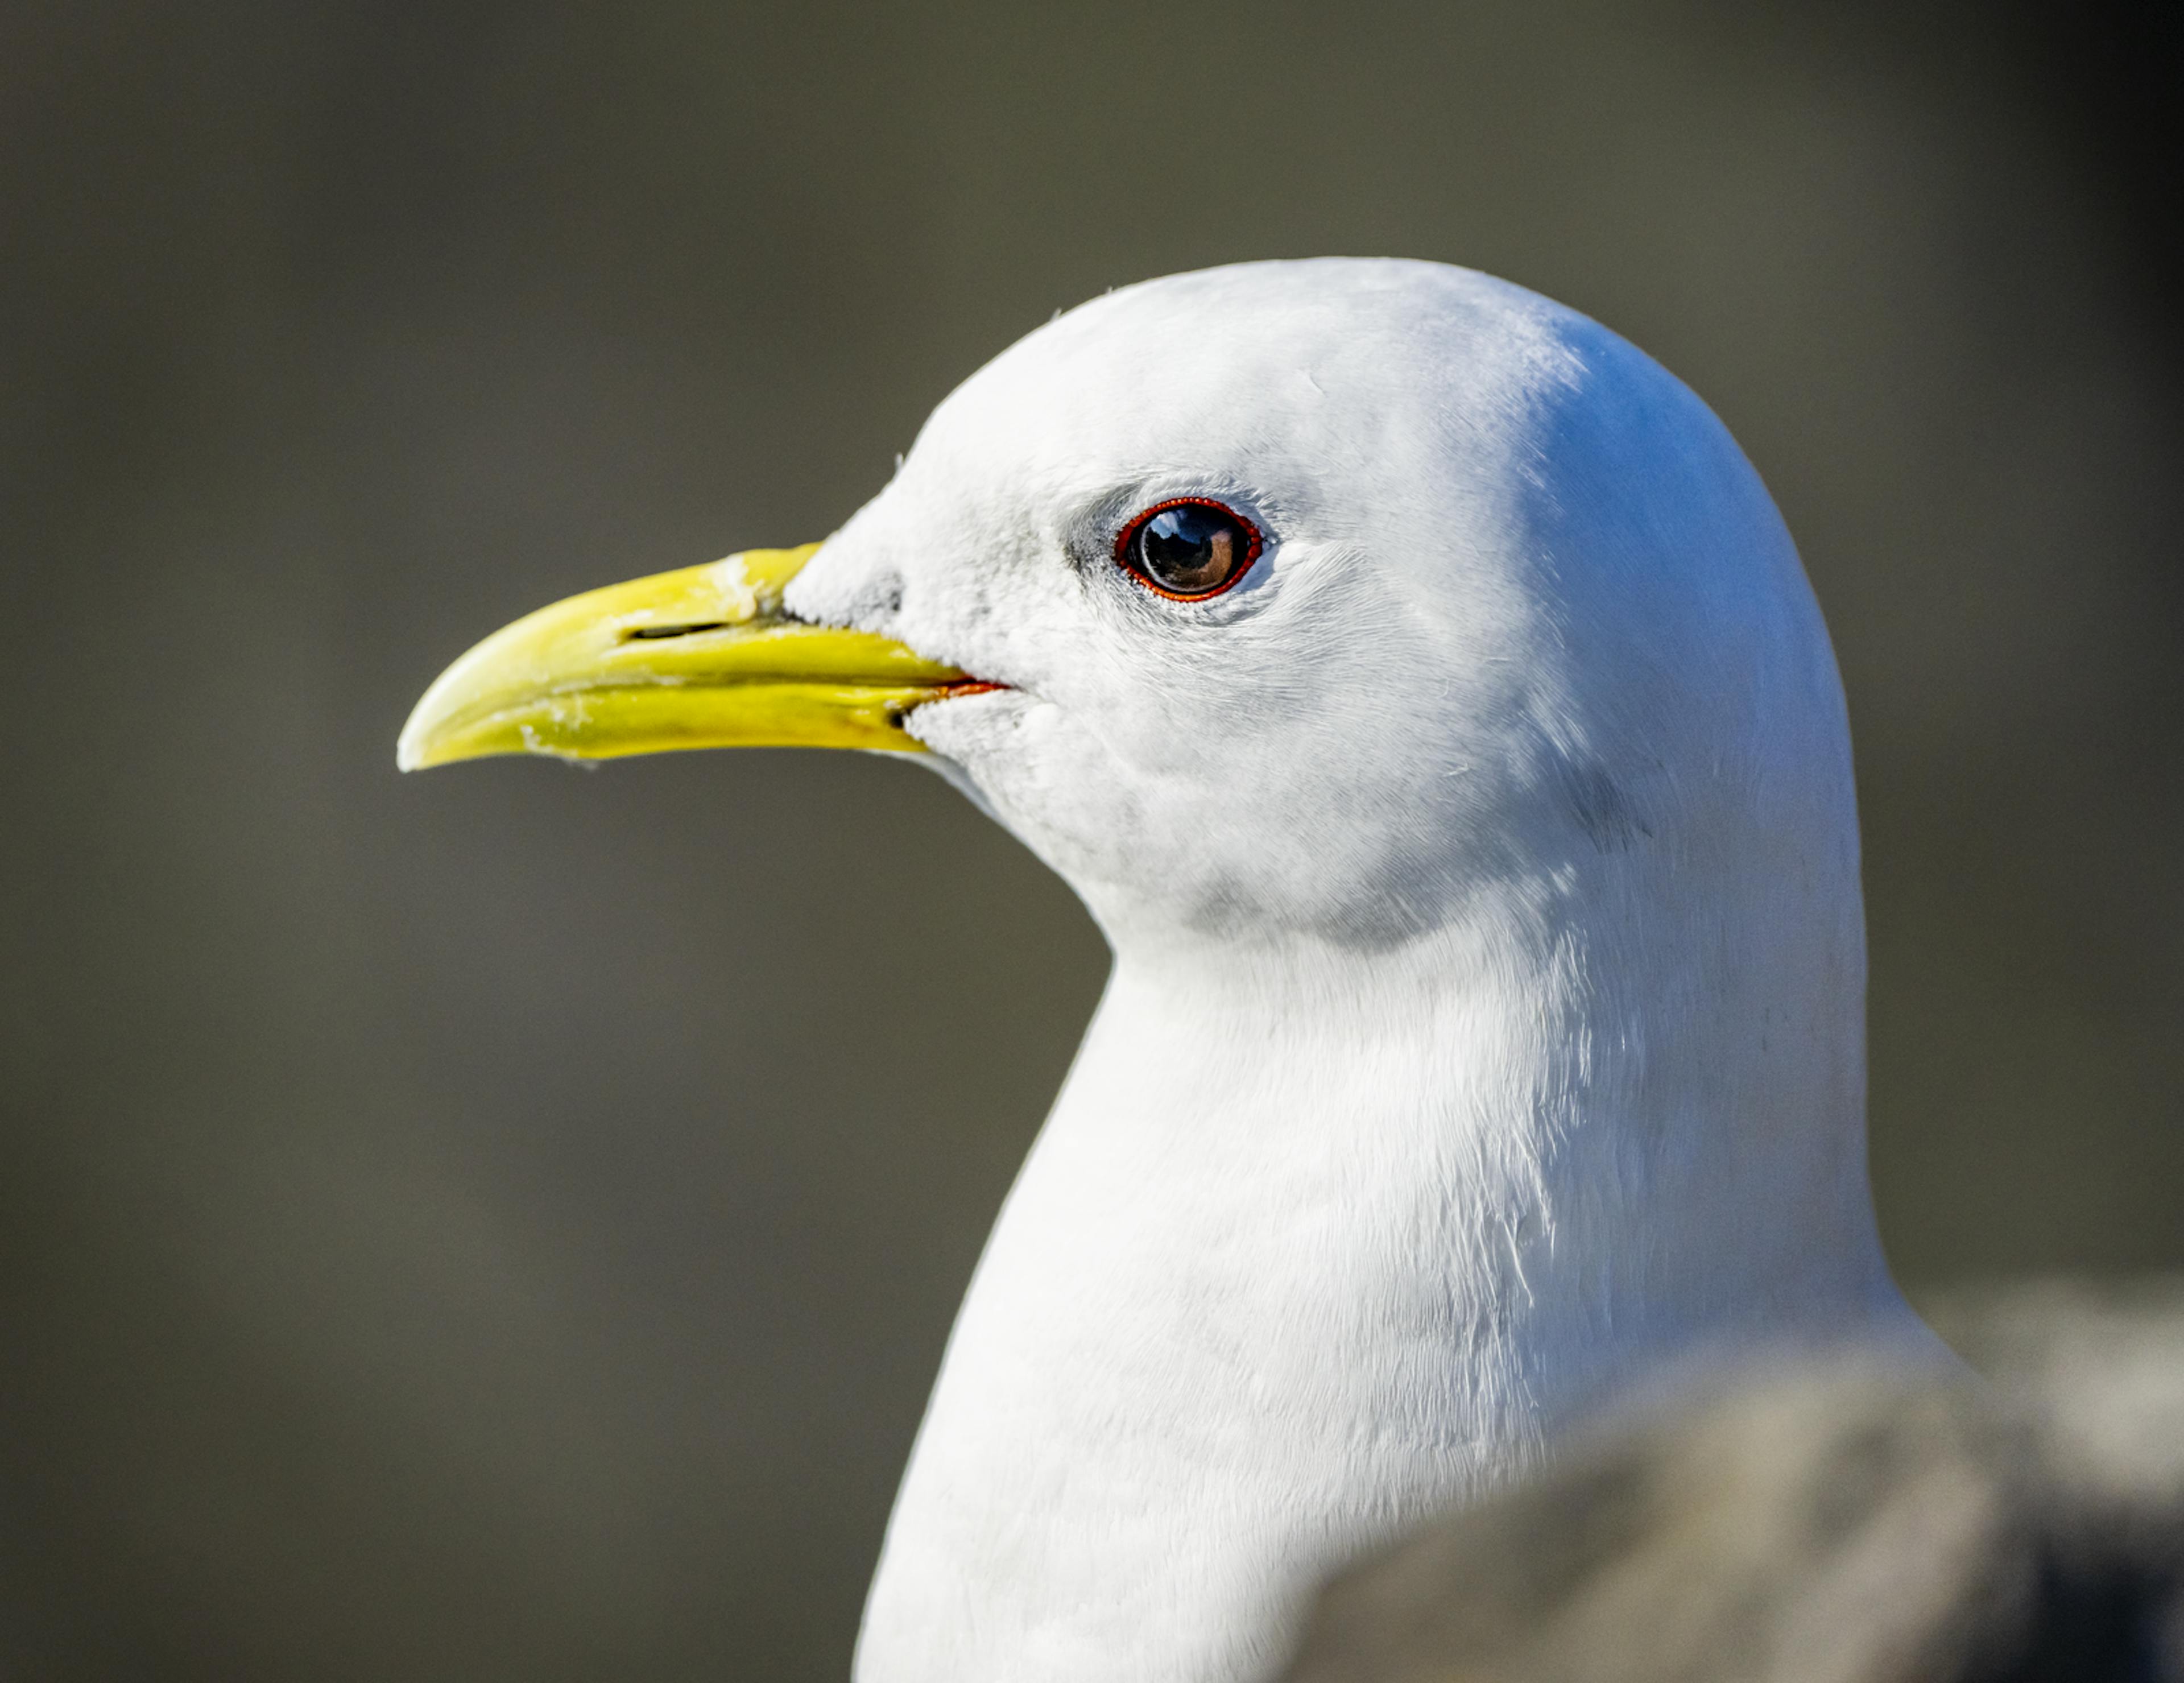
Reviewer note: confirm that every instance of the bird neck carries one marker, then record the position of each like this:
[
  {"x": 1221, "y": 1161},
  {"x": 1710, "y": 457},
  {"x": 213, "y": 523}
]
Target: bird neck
[
  {"x": 1597, "y": 1121},
  {"x": 1317, "y": 1240}
]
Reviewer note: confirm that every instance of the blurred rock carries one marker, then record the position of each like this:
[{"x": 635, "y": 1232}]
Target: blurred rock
[{"x": 1843, "y": 1521}]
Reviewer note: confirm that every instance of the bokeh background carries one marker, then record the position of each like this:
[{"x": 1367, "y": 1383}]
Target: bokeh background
[{"x": 502, "y": 1224}]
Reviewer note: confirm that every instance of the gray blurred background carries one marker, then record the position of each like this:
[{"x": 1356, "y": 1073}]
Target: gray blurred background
[{"x": 502, "y": 1224}]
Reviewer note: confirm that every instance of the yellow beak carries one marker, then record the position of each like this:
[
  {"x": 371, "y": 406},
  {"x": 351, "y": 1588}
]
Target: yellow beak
[{"x": 703, "y": 657}]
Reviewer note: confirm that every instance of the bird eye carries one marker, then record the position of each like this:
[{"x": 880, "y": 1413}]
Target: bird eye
[{"x": 1188, "y": 548}]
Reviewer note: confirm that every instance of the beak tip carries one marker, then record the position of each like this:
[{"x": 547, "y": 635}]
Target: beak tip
[{"x": 411, "y": 748}]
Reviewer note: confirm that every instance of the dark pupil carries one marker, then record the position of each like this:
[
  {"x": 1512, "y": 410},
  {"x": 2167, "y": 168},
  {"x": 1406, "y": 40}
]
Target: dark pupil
[{"x": 1189, "y": 549}]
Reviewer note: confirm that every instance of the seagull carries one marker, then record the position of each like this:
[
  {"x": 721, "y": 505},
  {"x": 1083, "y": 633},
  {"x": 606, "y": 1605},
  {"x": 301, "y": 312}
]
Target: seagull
[{"x": 1419, "y": 689}]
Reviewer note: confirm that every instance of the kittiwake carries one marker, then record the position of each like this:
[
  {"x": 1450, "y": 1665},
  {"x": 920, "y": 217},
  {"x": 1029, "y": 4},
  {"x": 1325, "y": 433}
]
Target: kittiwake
[{"x": 1420, "y": 689}]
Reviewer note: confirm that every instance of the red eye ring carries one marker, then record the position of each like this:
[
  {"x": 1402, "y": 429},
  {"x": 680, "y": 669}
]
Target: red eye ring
[{"x": 1128, "y": 547}]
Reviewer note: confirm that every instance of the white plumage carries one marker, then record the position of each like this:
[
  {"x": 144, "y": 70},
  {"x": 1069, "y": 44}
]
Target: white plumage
[{"x": 1486, "y": 1032}]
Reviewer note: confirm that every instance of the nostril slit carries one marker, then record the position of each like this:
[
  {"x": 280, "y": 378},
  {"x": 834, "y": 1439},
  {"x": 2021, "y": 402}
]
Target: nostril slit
[{"x": 656, "y": 633}]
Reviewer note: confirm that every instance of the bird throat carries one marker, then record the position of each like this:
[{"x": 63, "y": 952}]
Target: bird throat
[{"x": 1314, "y": 1243}]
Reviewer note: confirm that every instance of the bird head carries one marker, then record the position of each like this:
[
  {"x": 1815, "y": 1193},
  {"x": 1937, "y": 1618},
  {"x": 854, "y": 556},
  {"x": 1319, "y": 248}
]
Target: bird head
[{"x": 1306, "y": 601}]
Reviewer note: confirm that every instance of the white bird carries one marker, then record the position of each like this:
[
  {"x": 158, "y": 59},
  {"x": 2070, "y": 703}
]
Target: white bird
[{"x": 1420, "y": 689}]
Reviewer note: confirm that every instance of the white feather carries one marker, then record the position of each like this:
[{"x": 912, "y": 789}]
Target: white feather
[{"x": 1486, "y": 1027}]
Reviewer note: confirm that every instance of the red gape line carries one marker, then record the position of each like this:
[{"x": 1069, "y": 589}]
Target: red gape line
[{"x": 1129, "y": 536}]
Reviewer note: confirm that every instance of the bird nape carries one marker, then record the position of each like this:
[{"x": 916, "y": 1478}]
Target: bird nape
[{"x": 1423, "y": 694}]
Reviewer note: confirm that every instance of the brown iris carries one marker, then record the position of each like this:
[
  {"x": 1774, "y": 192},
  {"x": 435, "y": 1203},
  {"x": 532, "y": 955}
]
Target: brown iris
[{"x": 1190, "y": 547}]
